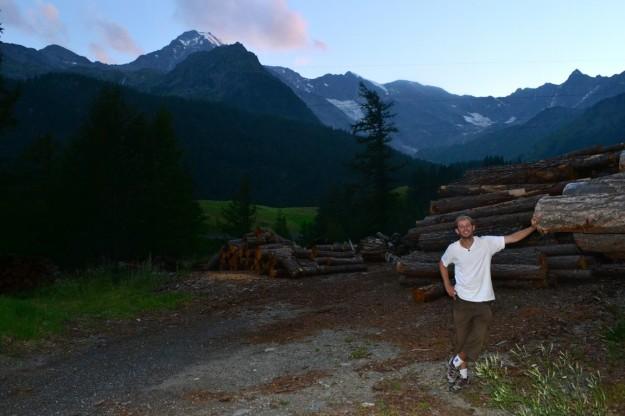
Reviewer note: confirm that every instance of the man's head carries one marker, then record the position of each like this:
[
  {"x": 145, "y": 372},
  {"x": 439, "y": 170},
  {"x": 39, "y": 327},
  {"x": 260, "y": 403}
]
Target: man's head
[{"x": 465, "y": 226}]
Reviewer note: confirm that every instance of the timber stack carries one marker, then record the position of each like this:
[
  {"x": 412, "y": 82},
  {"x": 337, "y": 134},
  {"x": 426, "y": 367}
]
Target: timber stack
[
  {"x": 377, "y": 248},
  {"x": 265, "y": 252},
  {"x": 579, "y": 198}
]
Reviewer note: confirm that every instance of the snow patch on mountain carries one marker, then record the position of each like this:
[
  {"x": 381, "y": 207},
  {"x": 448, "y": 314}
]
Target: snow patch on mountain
[
  {"x": 350, "y": 107},
  {"x": 380, "y": 86},
  {"x": 478, "y": 120},
  {"x": 588, "y": 94}
]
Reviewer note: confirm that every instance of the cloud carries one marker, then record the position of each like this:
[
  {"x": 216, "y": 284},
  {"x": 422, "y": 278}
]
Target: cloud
[
  {"x": 264, "y": 24},
  {"x": 117, "y": 38},
  {"x": 42, "y": 20},
  {"x": 320, "y": 45},
  {"x": 100, "y": 52}
]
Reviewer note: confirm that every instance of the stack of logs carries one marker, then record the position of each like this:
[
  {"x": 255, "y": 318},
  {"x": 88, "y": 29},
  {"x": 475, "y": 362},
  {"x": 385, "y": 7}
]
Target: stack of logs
[
  {"x": 375, "y": 248},
  {"x": 265, "y": 252},
  {"x": 502, "y": 199}
]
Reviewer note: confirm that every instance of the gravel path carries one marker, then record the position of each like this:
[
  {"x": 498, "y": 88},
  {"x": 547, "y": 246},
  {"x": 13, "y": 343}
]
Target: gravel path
[{"x": 346, "y": 344}]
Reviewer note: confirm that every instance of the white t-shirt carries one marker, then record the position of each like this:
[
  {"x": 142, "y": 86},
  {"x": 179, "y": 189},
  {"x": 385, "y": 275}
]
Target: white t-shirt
[{"x": 472, "y": 271}]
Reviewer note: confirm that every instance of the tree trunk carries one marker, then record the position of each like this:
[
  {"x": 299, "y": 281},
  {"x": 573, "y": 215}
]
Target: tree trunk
[
  {"x": 455, "y": 190},
  {"x": 600, "y": 213},
  {"x": 524, "y": 255},
  {"x": 337, "y": 261},
  {"x": 558, "y": 249},
  {"x": 342, "y": 254},
  {"x": 439, "y": 240},
  {"x": 572, "y": 275},
  {"x": 544, "y": 171},
  {"x": 570, "y": 262},
  {"x": 601, "y": 243},
  {"x": 509, "y": 207},
  {"x": 498, "y": 271},
  {"x": 517, "y": 219},
  {"x": 611, "y": 184},
  {"x": 456, "y": 203},
  {"x": 616, "y": 270},
  {"x": 428, "y": 293}
]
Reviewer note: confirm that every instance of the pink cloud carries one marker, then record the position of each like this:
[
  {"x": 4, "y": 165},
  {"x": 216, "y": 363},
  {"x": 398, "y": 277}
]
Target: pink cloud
[
  {"x": 100, "y": 52},
  {"x": 320, "y": 45},
  {"x": 118, "y": 38},
  {"x": 264, "y": 24},
  {"x": 42, "y": 20}
]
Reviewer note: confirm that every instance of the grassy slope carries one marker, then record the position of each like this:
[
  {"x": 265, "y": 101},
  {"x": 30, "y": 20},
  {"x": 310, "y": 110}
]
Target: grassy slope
[{"x": 265, "y": 216}]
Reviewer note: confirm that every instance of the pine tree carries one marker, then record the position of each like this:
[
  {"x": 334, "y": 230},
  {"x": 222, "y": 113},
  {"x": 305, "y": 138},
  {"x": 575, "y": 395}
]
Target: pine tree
[
  {"x": 239, "y": 215},
  {"x": 374, "y": 162},
  {"x": 280, "y": 226},
  {"x": 126, "y": 192}
]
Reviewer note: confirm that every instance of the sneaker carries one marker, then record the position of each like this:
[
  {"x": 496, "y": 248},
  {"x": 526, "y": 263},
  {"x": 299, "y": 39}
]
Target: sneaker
[
  {"x": 460, "y": 384},
  {"x": 453, "y": 373}
]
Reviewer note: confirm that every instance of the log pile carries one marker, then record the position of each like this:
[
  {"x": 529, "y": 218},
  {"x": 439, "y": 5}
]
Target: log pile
[
  {"x": 265, "y": 252},
  {"x": 593, "y": 210},
  {"x": 581, "y": 197}
]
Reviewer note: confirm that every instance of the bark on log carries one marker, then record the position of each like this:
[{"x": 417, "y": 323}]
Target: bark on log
[
  {"x": 611, "y": 184},
  {"x": 439, "y": 240},
  {"x": 616, "y": 270},
  {"x": 524, "y": 255},
  {"x": 333, "y": 247},
  {"x": 564, "y": 249},
  {"x": 343, "y": 254},
  {"x": 422, "y": 257},
  {"x": 550, "y": 170},
  {"x": 336, "y": 261},
  {"x": 453, "y": 204},
  {"x": 518, "y": 272},
  {"x": 621, "y": 163},
  {"x": 498, "y": 271},
  {"x": 600, "y": 213},
  {"x": 455, "y": 190},
  {"x": 509, "y": 207},
  {"x": 572, "y": 275},
  {"x": 570, "y": 262},
  {"x": 428, "y": 293},
  {"x": 417, "y": 269},
  {"x": 516, "y": 219},
  {"x": 601, "y": 243}
]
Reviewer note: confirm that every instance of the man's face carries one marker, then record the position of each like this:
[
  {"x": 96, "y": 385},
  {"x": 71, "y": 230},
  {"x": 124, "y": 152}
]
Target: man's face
[{"x": 465, "y": 229}]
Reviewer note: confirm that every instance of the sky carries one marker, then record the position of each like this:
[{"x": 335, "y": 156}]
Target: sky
[{"x": 471, "y": 47}]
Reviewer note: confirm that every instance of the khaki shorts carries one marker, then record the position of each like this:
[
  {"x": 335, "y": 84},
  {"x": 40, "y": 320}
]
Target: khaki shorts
[{"x": 471, "y": 322}]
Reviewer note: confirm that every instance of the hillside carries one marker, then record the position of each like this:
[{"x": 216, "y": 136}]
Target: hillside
[{"x": 290, "y": 163}]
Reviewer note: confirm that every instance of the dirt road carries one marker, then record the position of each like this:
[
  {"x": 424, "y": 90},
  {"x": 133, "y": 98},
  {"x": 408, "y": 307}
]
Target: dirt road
[{"x": 351, "y": 344}]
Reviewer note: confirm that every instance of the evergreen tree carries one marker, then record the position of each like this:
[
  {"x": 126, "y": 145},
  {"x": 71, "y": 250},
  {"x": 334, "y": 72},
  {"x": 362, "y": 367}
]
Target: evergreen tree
[
  {"x": 239, "y": 215},
  {"x": 125, "y": 189},
  {"x": 7, "y": 101},
  {"x": 280, "y": 226},
  {"x": 374, "y": 162}
]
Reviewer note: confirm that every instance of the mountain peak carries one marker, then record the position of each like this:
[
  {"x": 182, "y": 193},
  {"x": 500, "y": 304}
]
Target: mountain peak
[
  {"x": 178, "y": 50},
  {"x": 576, "y": 75},
  {"x": 59, "y": 55},
  {"x": 194, "y": 38}
]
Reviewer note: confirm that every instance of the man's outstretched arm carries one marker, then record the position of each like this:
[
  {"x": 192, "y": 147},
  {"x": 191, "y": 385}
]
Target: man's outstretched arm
[{"x": 521, "y": 234}]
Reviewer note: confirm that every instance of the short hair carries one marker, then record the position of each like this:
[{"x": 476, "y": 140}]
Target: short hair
[{"x": 463, "y": 218}]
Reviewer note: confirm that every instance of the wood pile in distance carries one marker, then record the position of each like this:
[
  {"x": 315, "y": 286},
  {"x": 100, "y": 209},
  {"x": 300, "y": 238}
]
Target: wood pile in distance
[{"x": 265, "y": 252}]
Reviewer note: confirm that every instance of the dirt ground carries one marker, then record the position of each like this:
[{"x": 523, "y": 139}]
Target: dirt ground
[{"x": 345, "y": 344}]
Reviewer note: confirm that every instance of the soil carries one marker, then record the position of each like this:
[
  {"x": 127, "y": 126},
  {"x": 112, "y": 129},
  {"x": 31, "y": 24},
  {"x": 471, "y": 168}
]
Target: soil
[{"x": 344, "y": 344}]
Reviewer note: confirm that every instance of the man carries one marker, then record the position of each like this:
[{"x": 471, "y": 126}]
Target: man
[{"x": 473, "y": 292}]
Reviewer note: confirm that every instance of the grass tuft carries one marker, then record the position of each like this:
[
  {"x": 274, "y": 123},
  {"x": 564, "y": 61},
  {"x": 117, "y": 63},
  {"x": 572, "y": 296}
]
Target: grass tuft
[{"x": 548, "y": 382}]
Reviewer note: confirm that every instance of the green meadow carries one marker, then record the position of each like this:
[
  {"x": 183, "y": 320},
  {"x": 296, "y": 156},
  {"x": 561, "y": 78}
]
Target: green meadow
[{"x": 296, "y": 217}]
